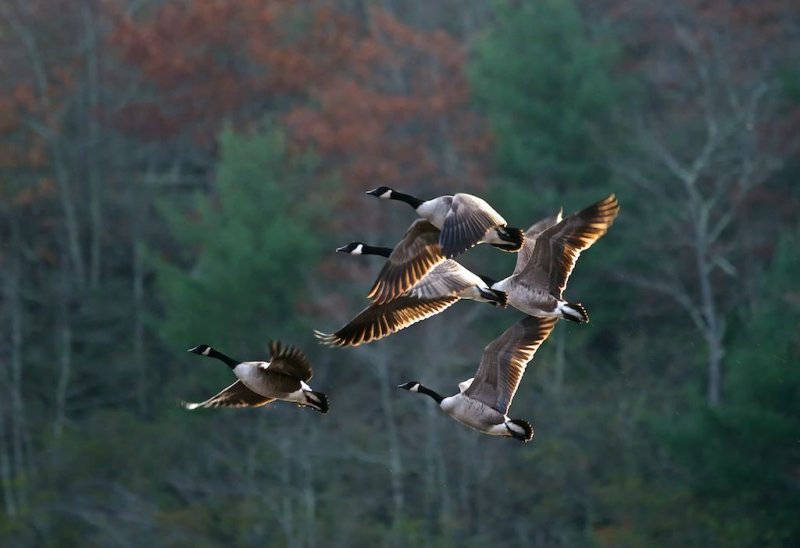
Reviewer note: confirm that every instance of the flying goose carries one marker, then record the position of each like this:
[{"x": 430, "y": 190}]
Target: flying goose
[
  {"x": 483, "y": 401},
  {"x": 465, "y": 220},
  {"x": 548, "y": 257},
  {"x": 437, "y": 290},
  {"x": 284, "y": 377}
]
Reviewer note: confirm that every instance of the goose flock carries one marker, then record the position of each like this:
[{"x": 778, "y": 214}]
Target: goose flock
[{"x": 420, "y": 279}]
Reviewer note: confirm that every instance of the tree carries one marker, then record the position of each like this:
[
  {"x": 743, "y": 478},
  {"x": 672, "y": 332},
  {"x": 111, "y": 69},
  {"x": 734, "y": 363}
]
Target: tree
[
  {"x": 742, "y": 457},
  {"x": 549, "y": 91},
  {"x": 256, "y": 246},
  {"x": 698, "y": 157}
]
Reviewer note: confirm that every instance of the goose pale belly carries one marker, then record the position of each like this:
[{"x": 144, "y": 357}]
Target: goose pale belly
[
  {"x": 474, "y": 414},
  {"x": 533, "y": 302},
  {"x": 268, "y": 383}
]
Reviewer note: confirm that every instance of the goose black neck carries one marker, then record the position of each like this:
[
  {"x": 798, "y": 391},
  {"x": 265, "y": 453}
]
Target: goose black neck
[
  {"x": 230, "y": 362},
  {"x": 407, "y": 198},
  {"x": 425, "y": 390},
  {"x": 374, "y": 250}
]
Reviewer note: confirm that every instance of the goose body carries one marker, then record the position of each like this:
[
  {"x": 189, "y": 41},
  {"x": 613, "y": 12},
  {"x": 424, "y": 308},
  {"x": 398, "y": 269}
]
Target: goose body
[
  {"x": 483, "y": 402},
  {"x": 549, "y": 254},
  {"x": 285, "y": 377},
  {"x": 464, "y": 220},
  {"x": 440, "y": 288}
]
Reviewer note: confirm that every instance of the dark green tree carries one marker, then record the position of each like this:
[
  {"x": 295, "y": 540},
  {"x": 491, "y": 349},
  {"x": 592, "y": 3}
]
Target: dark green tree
[
  {"x": 257, "y": 243},
  {"x": 743, "y": 458},
  {"x": 549, "y": 90}
]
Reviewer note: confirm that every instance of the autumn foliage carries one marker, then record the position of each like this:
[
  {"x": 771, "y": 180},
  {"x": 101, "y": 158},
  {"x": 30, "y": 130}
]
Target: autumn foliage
[{"x": 376, "y": 100}]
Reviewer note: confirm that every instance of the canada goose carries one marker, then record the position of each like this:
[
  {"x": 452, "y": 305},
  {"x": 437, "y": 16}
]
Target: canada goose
[
  {"x": 483, "y": 401},
  {"x": 544, "y": 266},
  {"x": 465, "y": 220},
  {"x": 284, "y": 378},
  {"x": 437, "y": 290}
]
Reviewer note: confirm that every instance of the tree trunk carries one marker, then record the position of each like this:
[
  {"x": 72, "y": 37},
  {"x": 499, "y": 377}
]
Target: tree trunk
[
  {"x": 93, "y": 144},
  {"x": 139, "y": 215},
  {"x": 64, "y": 334},
  {"x": 287, "y": 512},
  {"x": 309, "y": 495},
  {"x": 19, "y": 468},
  {"x": 560, "y": 364},
  {"x": 9, "y": 503},
  {"x": 395, "y": 458},
  {"x": 712, "y": 325},
  {"x": 6, "y": 413}
]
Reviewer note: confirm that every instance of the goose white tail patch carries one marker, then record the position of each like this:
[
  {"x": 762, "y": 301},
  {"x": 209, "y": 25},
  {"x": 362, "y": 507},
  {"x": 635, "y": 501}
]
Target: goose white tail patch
[{"x": 462, "y": 386}]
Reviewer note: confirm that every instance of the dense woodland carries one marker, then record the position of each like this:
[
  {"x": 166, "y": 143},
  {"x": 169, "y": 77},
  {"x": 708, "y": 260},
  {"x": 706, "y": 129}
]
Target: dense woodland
[{"x": 176, "y": 172}]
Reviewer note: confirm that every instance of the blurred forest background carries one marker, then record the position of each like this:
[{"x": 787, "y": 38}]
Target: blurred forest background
[{"x": 179, "y": 172}]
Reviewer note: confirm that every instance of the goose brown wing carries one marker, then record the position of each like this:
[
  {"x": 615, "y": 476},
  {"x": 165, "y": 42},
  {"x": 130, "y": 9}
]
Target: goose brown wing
[
  {"x": 380, "y": 320},
  {"x": 290, "y": 361},
  {"x": 236, "y": 395},
  {"x": 467, "y": 222},
  {"x": 413, "y": 257},
  {"x": 525, "y": 252},
  {"x": 557, "y": 249},
  {"x": 445, "y": 280},
  {"x": 504, "y": 361}
]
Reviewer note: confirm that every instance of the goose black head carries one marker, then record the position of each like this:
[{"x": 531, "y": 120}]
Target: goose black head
[
  {"x": 353, "y": 248},
  {"x": 383, "y": 192},
  {"x": 412, "y": 386},
  {"x": 202, "y": 349}
]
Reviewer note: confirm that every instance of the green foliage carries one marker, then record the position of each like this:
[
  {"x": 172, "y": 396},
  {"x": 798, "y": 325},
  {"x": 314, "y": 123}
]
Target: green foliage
[
  {"x": 549, "y": 91},
  {"x": 744, "y": 456},
  {"x": 256, "y": 245}
]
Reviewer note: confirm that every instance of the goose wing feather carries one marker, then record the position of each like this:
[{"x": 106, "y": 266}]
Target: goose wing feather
[
  {"x": 236, "y": 395},
  {"x": 525, "y": 252},
  {"x": 413, "y": 257},
  {"x": 290, "y": 361},
  {"x": 504, "y": 361},
  {"x": 467, "y": 222},
  {"x": 446, "y": 279},
  {"x": 381, "y": 320},
  {"x": 557, "y": 249}
]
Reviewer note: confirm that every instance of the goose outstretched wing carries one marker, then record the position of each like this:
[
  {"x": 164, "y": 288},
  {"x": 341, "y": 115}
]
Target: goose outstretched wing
[
  {"x": 504, "y": 361},
  {"x": 413, "y": 257},
  {"x": 557, "y": 249},
  {"x": 467, "y": 222},
  {"x": 236, "y": 395}
]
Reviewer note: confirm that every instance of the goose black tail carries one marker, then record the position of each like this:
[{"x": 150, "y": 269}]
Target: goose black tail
[
  {"x": 520, "y": 430},
  {"x": 494, "y": 296},
  {"x": 513, "y": 238},
  {"x": 574, "y": 312},
  {"x": 317, "y": 401}
]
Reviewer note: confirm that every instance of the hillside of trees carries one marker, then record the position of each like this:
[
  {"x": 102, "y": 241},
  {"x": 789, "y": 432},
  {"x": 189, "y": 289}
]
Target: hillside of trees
[{"x": 177, "y": 172}]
